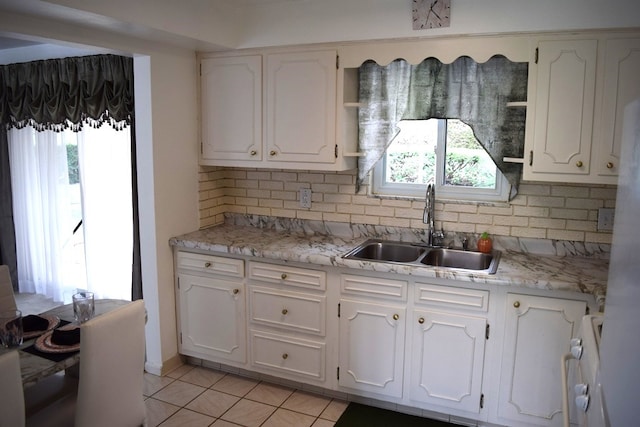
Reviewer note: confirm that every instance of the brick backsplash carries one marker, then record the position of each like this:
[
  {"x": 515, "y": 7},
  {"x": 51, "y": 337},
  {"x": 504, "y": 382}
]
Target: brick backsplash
[{"x": 540, "y": 210}]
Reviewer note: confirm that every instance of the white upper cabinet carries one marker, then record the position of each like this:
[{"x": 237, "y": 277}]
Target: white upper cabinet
[
  {"x": 564, "y": 106},
  {"x": 300, "y": 107},
  {"x": 271, "y": 110},
  {"x": 621, "y": 85},
  {"x": 231, "y": 105},
  {"x": 578, "y": 88}
]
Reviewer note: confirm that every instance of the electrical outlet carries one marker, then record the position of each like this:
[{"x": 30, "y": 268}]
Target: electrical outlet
[
  {"x": 305, "y": 198},
  {"x": 606, "y": 217}
]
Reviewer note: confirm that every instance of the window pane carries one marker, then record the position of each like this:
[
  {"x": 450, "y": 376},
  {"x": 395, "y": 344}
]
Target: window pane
[
  {"x": 411, "y": 157},
  {"x": 467, "y": 163}
]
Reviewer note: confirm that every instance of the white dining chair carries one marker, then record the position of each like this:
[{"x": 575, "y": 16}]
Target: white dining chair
[
  {"x": 7, "y": 298},
  {"x": 110, "y": 385},
  {"x": 11, "y": 397}
]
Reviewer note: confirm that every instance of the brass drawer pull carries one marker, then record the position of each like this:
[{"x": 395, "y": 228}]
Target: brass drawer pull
[
  {"x": 253, "y": 152},
  {"x": 396, "y": 317},
  {"x": 236, "y": 291},
  {"x": 285, "y": 311},
  {"x": 207, "y": 264},
  {"x": 579, "y": 163},
  {"x": 272, "y": 153},
  {"x": 609, "y": 165},
  {"x": 283, "y": 276},
  {"x": 516, "y": 304},
  {"x": 285, "y": 356},
  {"x": 421, "y": 320}
]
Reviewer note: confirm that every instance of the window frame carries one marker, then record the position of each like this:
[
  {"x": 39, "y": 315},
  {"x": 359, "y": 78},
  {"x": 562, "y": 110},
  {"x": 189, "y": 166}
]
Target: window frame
[{"x": 380, "y": 188}]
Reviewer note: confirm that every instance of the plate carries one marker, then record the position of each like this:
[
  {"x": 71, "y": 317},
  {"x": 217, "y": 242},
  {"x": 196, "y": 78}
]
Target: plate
[
  {"x": 44, "y": 344},
  {"x": 53, "y": 322}
]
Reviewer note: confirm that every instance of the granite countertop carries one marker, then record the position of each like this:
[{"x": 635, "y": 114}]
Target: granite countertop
[{"x": 520, "y": 269}]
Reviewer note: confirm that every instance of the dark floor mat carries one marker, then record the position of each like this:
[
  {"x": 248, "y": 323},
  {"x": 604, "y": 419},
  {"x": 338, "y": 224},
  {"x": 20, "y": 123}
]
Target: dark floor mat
[{"x": 357, "y": 415}]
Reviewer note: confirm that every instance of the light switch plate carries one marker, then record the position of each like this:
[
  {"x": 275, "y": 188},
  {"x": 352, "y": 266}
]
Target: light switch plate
[
  {"x": 305, "y": 198},
  {"x": 606, "y": 217}
]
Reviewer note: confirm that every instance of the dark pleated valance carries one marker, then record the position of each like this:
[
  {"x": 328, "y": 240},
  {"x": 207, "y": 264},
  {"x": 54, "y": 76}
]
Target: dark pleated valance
[{"x": 66, "y": 93}]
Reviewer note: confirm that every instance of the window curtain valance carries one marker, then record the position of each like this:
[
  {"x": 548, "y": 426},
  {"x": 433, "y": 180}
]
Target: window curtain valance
[
  {"x": 66, "y": 93},
  {"x": 476, "y": 93}
]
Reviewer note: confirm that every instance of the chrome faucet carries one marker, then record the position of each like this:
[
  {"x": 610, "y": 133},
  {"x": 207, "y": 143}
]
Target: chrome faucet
[
  {"x": 434, "y": 238},
  {"x": 428, "y": 216}
]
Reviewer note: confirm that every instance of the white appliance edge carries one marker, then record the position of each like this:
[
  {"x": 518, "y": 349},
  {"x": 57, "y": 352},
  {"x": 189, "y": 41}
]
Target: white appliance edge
[{"x": 620, "y": 344}]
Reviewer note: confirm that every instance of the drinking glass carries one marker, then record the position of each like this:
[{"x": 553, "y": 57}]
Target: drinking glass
[
  {"x": 11, "y": 332},
  {"x": 83, "y": 306}
]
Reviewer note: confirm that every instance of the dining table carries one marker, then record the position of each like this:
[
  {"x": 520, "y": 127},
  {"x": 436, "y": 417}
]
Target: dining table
[{"x": 35, "y": 364}]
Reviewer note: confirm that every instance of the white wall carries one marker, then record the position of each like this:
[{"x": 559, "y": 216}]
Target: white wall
[
  {"x": 259, "y": 23},
  {"x": 173, "y": 158},
  {"x": 341, "y": 20},
  {"x": 211, "y": 21},
  {"x": 43, "y": 51}
]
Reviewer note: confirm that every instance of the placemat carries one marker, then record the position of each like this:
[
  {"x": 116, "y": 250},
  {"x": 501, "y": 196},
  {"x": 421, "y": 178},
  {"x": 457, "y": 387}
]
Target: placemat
[{"x": 54, "y": 357}]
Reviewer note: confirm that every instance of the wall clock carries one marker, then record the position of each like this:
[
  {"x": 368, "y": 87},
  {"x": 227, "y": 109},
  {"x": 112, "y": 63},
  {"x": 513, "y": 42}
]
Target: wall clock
[{"x": 431, "y": 14}]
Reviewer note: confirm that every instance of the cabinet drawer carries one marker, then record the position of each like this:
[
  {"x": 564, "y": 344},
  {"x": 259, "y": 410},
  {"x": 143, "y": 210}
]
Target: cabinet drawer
[
  {"x": 295, "y": 311},
  {"x": 448, "y": 297},
  {"x": 291, "y": 276},
  {"x": 373, "y": 287},
  {"x": 288, "y": 355},
  {"x": 211, "y": 264}
]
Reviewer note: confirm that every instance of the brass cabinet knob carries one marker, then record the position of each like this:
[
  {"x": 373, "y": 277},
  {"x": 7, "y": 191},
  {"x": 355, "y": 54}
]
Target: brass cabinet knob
[
  {"x": 579, "y": 163},
  {"x": 285, "y": 311},
  {"x": 609, "y": 165},
  {"x": 207, "y": 264},
  {"x": 272, "y": 152},
  {"x": 236, "y": 291},
  {"x": 421, "y": 320},
  {"x": 283, "y": 276},
  {"x": 516, "y": 304},
  {"x": 253, "y": 152},
  {"x": 285, "y": 356},
  {"x": 396, "y": 317}
]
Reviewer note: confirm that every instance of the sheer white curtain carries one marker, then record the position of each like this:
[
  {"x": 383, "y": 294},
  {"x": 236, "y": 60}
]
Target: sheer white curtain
[
  {"x": 104, "y": 158},
  {"x": 46, "y": 250},
  {"x": 42, "y": 218}
]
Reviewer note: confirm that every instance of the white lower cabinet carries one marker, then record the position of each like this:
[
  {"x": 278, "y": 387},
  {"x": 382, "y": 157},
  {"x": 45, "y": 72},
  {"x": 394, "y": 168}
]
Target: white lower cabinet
[
  {"x": 285, "y": 354},
  {"x": 449, "y": 329},
  {"x": 413, "y": 341},
  {"x": 287, "y": 313},
  {"x": 372, "y": 347},
  {"x": 221, "y": 303},
  {"x": 447, "y": 359},
  {"x": 211, "y": 306},
  {"x": 372, "y": 323},
  {"x": 537, "y": 333}
]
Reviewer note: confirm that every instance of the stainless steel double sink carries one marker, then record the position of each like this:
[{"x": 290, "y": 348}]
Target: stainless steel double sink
[{"x": 421, "y": 255}]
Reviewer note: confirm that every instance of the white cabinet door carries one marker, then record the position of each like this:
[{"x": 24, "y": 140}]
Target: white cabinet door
[
  {"x": 231, "y": 108},
  {"x": 537, "y": 334},
  {"x": 621, "y": 86},
  {"x": 564, "y": 107},
  {"x": 212, "y": 318},
  {"x": 372, "y": 338},
  {"x": 447, "y": 359},
  {"x": 301, "y": 107}
]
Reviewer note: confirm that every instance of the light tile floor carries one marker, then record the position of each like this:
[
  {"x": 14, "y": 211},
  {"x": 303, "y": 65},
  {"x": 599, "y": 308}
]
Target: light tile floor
[{"x": 198, "y": 396}]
